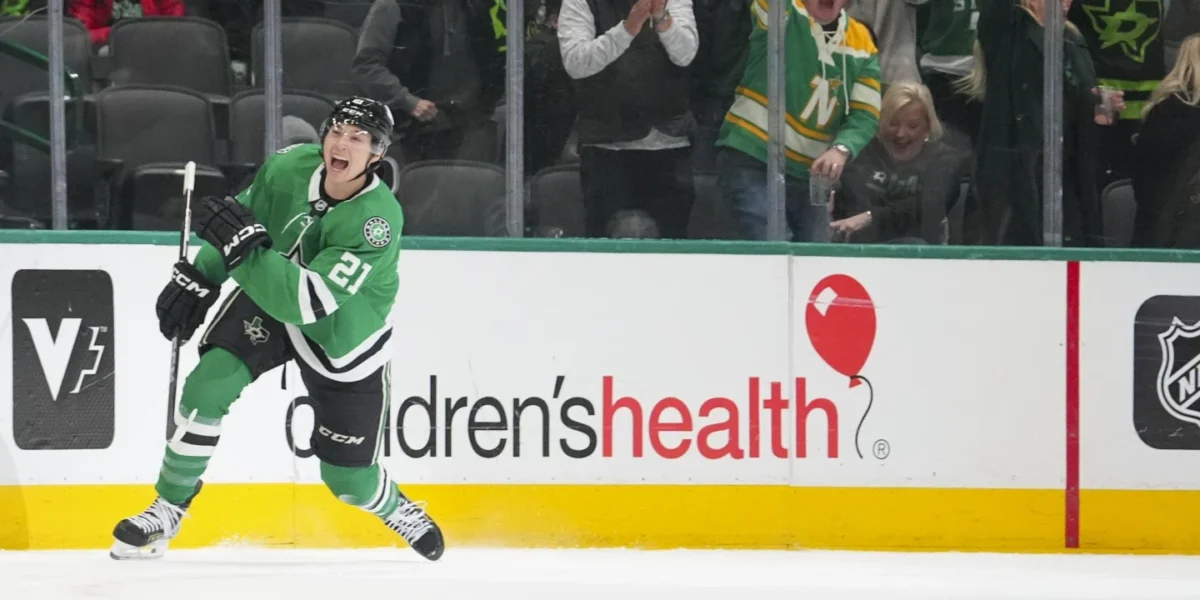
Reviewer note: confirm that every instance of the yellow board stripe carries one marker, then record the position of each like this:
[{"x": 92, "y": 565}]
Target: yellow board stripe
[
  {"x": 308, "y": 516},
  {"x": 1157, "y": 521},
  {"x": 636, "y": 516}
]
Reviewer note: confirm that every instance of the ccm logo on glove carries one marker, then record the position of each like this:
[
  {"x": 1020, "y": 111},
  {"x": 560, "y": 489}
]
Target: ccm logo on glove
[
  {"x": 227, "y": 224},
  {"x": 246, "y": 233},
  {"x": 189, "y": 285}
]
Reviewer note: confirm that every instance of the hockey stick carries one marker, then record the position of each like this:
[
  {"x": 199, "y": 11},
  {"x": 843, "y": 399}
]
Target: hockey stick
[{"x": 189, "y": 183}]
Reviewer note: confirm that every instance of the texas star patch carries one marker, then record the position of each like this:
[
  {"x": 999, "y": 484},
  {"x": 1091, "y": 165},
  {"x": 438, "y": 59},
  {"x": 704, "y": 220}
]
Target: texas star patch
[{"x": 378, "y": 232}]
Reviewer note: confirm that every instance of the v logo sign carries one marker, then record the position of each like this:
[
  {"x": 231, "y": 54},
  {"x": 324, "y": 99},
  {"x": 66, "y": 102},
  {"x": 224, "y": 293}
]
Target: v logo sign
[{"x": 54, "y": 353}]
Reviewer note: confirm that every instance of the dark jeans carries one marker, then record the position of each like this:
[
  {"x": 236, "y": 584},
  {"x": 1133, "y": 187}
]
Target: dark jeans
[
  {"x": 743, "y": 181},
  {"x": 658, "y": 182}
]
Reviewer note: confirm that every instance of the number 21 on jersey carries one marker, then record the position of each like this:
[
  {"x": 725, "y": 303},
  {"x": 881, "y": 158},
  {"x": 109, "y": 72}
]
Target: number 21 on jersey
[{"x": 346, "y": 270}]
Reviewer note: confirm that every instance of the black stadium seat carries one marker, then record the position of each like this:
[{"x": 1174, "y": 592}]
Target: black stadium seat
[
  {"x": 317, "y": 55},
  {"x": 247, "y": 120},
  {"x": 153, "y": 131},
  {"x": 18, "y": 78},
  {"x": 184, "y": 51},
  {"x": 453, "y": 198},
  {"x": 29, "y": 191},
  {"x": 556, "y": 199}
]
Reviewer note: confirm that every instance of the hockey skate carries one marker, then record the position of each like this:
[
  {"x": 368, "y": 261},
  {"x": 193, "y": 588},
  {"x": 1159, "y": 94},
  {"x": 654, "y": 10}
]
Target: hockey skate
[
  {"x": 414, "y": 525},
  {"x": 147, "y": 535}
]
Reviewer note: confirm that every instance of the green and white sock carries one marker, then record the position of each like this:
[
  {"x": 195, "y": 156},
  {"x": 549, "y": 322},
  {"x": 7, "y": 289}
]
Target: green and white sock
[{"x": 368, "y": 488}]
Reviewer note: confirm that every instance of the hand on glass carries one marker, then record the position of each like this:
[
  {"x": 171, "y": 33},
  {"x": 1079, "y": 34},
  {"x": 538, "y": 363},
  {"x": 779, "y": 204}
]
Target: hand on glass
[
  {"x": 830, "y": 164},
  {"x": 1115, "y": 101}
]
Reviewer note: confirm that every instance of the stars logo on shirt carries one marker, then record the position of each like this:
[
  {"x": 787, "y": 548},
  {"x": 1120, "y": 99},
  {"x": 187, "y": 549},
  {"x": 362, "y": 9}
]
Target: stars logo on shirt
[{"x": 377, "y": 232}]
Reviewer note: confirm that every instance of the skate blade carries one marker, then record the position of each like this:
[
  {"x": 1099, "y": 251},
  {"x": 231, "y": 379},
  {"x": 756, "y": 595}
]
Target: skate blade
[{"x": 122, "y": 551}]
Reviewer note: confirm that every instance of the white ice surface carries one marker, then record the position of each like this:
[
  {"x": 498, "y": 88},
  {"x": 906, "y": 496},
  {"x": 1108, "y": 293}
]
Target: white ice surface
[{"x": 229, "y": 574}]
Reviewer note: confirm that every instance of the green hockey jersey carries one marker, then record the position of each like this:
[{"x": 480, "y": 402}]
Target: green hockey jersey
[
  {"x": 948, "y": 42},
  {"x": 331, "y": 275},
  {"x": 832, "y": 95}
]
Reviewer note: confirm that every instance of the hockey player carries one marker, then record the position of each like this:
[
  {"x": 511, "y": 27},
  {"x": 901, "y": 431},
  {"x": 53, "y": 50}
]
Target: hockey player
[{"x": 312, "y": 245}]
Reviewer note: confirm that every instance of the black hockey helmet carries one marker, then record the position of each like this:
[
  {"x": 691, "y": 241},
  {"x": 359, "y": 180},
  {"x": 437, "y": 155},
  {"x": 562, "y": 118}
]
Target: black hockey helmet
[{"x": 372, "y": 116}]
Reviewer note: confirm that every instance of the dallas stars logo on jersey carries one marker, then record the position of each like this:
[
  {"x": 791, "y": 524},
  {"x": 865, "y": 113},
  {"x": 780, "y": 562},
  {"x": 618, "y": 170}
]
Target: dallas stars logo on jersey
[
  {"x": 378, "y": 232},
  {"x": 256, "y": 332},
  {"x": 1132, "y": 29}
]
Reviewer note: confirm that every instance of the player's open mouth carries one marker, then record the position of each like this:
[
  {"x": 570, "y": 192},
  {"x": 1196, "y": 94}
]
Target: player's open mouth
[
  {"x": 338, "y": 164},
  {"x": 826, "y": 4}
]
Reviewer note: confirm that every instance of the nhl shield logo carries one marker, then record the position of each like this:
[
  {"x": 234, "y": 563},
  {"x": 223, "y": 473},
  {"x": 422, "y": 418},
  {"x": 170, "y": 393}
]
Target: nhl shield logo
[
  {"x": 1179, "y": 371},
  {"x": 1166, "y": 372}
]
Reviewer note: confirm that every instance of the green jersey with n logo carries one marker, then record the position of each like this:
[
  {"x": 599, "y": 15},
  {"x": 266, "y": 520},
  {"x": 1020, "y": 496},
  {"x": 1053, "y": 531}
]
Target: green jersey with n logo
[
  {"x": 832, "y": 90},
  {"x": 330, "y": 276}
]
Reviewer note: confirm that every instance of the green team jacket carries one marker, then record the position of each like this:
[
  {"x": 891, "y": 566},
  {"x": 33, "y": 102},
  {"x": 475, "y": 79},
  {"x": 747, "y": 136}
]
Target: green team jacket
[
  {"x": 948, "y": 42},
  {"x": 833, "y": 90},
  {"x": 332, "y": 279}
]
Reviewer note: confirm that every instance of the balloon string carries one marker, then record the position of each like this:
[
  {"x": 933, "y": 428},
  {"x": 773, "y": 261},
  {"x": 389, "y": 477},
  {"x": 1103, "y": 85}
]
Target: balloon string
[{"x": 870, "y": 402}]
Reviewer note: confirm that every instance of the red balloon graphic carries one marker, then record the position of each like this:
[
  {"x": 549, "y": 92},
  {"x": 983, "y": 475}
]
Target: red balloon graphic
[{"x": 841, "y": 324}]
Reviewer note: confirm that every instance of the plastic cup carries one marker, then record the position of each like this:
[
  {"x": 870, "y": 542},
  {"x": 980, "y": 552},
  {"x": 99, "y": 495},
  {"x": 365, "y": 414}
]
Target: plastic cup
[{"x": 820, "y": 189}]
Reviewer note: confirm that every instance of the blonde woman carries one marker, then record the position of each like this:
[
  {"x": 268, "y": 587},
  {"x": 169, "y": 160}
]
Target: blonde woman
[
  {"x": 1170, "y": 128},
  {"x": 1008, "y": 162},
  {"x": 901, "y": 186}
]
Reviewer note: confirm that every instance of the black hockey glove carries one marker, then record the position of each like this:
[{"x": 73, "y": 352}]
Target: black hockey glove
[
  {"x": 230, "y": 227},
  {"x": 183, "y": 304}
]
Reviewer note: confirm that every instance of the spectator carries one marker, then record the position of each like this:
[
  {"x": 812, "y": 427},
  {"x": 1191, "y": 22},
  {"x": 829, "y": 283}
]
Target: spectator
[
  {"x": 239, "y": 17},
  {"x": 724, "y": 27},
  {"x": 894, "y": 23},
  {"x": 634, "y": 120},
  {"x": 1008, "y": 158},
  {"x": 832, "y": 112},
  {"x": 1126, "y": 45},
  {"x": 947, "y": 42},
  {"x": 549, "y": 94},
  {"x": 439, "y": 65},
  {"x": 902, "y": 185},
  {"x": 100, "y": 15},
  {"x": 1182, "y": 20},
  {"x": 1170, "y": 129}
]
